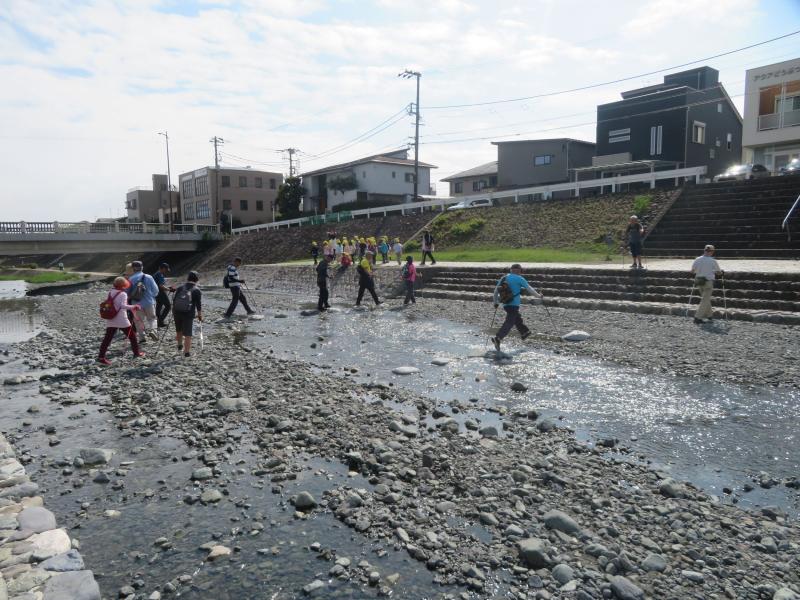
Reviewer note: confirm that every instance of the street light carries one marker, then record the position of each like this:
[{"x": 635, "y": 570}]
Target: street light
[
  {"x": 169, "y": 184},
  {"x": 408, "y": 74}
]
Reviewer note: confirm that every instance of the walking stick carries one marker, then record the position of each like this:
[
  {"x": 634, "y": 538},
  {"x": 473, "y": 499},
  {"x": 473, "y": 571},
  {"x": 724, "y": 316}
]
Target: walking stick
[
  {"x": 494, "y": 316},
  {"x": 254, "y": 302},
  {"x": 553, "y": 323},
  {"x": 689, "y": 304},
  {"x": 724, "y": 296}
]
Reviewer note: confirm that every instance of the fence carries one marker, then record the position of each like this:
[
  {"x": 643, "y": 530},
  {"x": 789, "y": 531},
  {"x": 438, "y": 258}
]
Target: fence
[
  {"x": 84, "y": 227},
  {"x": 542, "y": 191}
]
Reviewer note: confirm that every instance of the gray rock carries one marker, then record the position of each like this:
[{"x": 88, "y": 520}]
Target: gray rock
[
  {"x": 96, "y": 456},
  {"x": 440, "y": 362},
  {"x": 72, "y": 585},
  {"x": 489, "y": 431},
  {"x": 69, "y": 561},
  {"x": 563, "y": 573},
  {"x": 210, "y": 496},
  {"x": 519, "y": 387},
  {"x": 625, "y": 589},
  {"x": 669, "y": 488},
  {"x": 229, "y": 405},
  {"x": 654, "y": 562},
  {"x": 555, "y": 519},
  {"x": 405, "y": 370},
  {"x": 304, "y": 501},
  {"x": 533, "y": 552},
  {"x": 36, "y": 519},
  {"x": 545, "y": 425},
  {"x": 202, "y": 473},
  {"x": 693, "y": 576},
  {"x": 314, "y": 588},
  {"x": 785, "y": 594},
  {"x": 488, "y": 518}
]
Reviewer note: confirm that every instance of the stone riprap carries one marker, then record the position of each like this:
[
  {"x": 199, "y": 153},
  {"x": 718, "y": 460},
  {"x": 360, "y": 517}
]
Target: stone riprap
[
  {"x": 37, "y": 560},
  {"x": 534, "y": 513}
]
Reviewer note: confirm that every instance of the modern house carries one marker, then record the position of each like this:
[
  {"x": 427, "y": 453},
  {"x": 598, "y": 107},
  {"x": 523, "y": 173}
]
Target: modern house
[
  {"x": 686, "y": 121},
  {"x": 236, "y": 197},
  {"x": 152, "y": 205},
  {"x": 772, "y": 114},
  {"x": 482, "y": 178},
  {"x": 526, "y": 163},
  {"x": 381, "y": 178}
]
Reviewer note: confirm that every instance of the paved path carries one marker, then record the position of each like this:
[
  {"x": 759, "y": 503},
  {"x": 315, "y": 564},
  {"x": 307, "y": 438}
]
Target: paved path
[{"x": 661, "y": 264}]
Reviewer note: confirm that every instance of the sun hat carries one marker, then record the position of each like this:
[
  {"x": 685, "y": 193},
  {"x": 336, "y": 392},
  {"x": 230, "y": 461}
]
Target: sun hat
[
  {"x": 709, "y": 247},
  {"x": 121, "y": 283},
  {"x": 129, "y": 269}
]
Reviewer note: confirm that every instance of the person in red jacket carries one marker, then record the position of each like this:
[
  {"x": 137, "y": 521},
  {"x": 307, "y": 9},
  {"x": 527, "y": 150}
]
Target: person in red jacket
[{"x": 119, "y": 298}]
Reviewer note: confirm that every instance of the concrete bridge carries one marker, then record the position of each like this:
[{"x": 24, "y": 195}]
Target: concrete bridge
[{"x": 52, "y": 237}]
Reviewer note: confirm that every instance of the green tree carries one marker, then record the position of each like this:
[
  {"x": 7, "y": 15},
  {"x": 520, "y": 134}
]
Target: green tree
[{"x": 290, "y": 195}]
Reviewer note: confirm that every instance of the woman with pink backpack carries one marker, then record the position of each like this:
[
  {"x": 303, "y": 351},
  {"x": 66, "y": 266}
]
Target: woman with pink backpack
[{"x": 114, "y": 310}]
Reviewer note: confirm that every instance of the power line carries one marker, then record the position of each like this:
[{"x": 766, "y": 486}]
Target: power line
[{"x": 621, "y": 80}]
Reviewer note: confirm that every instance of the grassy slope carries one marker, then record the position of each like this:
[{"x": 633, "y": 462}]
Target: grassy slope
[{"x": 40, "y": 277}]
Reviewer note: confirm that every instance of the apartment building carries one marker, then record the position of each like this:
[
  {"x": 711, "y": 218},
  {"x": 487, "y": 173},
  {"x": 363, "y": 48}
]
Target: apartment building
[
  {"x": 152, "y": 205},
  {"x": 228, "y": 195},
  {"x": 772, "y": 114}
]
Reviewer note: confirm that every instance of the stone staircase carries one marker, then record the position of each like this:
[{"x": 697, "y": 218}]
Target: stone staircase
[
  {"x": 769, "y": 297},
  {"x": 741, "y": 218}
]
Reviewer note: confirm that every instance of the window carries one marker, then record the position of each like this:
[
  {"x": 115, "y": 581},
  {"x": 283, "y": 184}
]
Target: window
[
  {"x": 260, "y": 205},
  {"x": 394, "y": 175},
  {"x": 131, "y": 204},
  {"x": 730, "y": 140},
  {"x": 188, "y": 211},
  {"x": 712, "y": 152},
  {"x": 619, "y": 135},
  {"x": 203, "y": 210},
  {"x": 201, "y": 186},
  {"x": 493, "y": 181},
  {"x": 226, "y": 181},
  {"x": 242, "y": 180},
  {"x": 259, "y": 182},
  {"x": 458, "y": 187},
  {"x": 719, "y": 107},
  {"x": 409, "y": 177},
  {"x": 655, "y": 140},
  {"x": 699, "y": 132},
  {"x": 186, "y": 188},
  {"x": 476, "y": 186},
  {"x": 242, "y": 204},
  {"x": 787, "y": 103},
  {"x": 272, "y": 183},
  {"x": 541, "y": 161},
  {"x": 226, "y": 205}
]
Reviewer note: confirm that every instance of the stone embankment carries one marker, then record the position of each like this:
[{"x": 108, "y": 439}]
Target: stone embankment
[
  {"x": 38, "y": 561},
  {"x": 519, "y": 509}
]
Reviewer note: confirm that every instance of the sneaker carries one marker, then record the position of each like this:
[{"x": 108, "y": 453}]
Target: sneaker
[
  {"x": 139, "y": 355},
  {"x": 698, "y": 321},
  {"x": 526, "y": 335},
  {"x": 251, "y": 312},
  {"x": 180, "y": 347},
  {"x": 104, "y": 361},
  {"x": 187, "y": 354},
  {"x": 433, "y": 263},
  {"x": 153, "y": 335},
  {"x": 496, "y": 343}
]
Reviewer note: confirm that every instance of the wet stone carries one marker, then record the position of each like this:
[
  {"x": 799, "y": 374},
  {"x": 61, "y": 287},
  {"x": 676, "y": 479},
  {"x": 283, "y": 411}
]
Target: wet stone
[{"x": 36, "y": 519}]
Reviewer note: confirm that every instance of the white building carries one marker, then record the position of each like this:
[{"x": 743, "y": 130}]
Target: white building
[
  {"x": 378, "y": 179},
  {"x": 771, "y": 134}
]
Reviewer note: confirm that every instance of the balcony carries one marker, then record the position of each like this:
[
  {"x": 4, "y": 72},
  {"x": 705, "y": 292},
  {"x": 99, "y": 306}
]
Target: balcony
[{"x": 788, "y": 118}]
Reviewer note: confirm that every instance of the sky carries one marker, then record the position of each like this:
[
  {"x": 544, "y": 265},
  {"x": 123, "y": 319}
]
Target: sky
[{"x": 89, "y": 84}]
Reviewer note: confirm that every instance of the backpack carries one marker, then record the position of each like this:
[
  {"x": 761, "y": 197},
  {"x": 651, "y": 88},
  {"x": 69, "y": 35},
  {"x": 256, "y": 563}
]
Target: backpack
[
  {"x": 182, "y": 302},
  {"x": 406, "y": 271},
  {"x": 138, "y": 291},
  {"x": 504, "y": 291},
  {"x": 226, "y": 283},
  {"x": 107, "y": 309}
]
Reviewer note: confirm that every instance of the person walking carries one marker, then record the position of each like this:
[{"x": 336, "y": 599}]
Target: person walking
[
  {"x": 705, "y": 268},
  {"x": 143, "y": 292},
  {"x": 397, "y": 248},
  {"x": 365, "y": 279},
  {"x": 188, "y": 305},
  {"x": 115, "y": 313},
  {"x": 409, "y": 274},
  {"x": 322, "y": 282},
  {"x": 427, "y": 246},
  {"x": 383, "y": 248},
  {"x": 315, "y": 252},
  {"x": 634, "y": 233},
  {"x": 508, "y": 292},
  {"x": 163, "y": 305},
  {"x": 235, "y": 283}
]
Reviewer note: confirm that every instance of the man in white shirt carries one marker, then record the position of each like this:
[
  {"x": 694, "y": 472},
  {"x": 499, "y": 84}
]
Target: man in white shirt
[{"x": 705, "y": 269}]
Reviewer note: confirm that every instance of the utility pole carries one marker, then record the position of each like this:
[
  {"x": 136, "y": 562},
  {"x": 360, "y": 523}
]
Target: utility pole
[
  {"x": 407, "y": 74},
  {"x": 169, "y": 184},
  {"x": 291, "y": 152},
  {"x": 218, "y": 141}
]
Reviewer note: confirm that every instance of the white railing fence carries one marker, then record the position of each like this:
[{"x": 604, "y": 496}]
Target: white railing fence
[{"x": 85, "y": 227}]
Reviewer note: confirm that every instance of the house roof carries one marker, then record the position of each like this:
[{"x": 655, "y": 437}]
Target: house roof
[
  {"x": 385, "y": 158},
  {"x": 573, "y": 140},
  {"x": 489, "y": 168}
]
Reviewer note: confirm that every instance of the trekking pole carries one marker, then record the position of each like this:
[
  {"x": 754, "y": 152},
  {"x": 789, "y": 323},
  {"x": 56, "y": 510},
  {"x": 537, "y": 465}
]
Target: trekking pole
[
  {"x": 494, "y": 316},
  {"x": 166, "y": 332},
  {"x": 552, "y": 322},
  {"x": 252, "y": 299},
  {"x": 724, "y": 296},
  {"x": 689, "y": 304}
]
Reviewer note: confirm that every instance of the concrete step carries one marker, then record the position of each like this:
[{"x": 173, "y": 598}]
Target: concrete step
[{"x": 722, "y": 253}]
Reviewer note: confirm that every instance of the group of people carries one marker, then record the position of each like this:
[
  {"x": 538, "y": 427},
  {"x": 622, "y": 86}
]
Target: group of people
[
  {"x": 138, "y": 304},
  {"x": 347, "y": 251}
]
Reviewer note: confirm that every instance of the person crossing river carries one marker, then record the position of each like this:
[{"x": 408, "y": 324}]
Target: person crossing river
[{"x": 508, "y": 292}]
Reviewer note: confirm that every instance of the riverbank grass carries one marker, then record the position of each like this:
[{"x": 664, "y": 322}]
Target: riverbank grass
[
  {"x": 41, "y": 277},
  {"x": 499, "y": 254}
]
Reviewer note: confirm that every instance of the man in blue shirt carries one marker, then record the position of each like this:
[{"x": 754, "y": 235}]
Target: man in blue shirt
[
  {"x": 163, "y": 305},
  {"x": 511, "y": 286},
  {"x": 143, "y": 291}
]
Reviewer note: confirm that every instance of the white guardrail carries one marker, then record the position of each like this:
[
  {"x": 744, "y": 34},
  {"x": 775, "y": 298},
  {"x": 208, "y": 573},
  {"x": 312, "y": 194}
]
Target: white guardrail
[
  {"x": 84, "y": 227},
  {"x": 545, "y": 191}
]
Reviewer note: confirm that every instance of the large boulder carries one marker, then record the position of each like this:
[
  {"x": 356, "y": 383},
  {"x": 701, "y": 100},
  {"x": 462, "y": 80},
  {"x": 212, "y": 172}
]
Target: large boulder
[
  {"x": 533, "y": 552},
  {"x": 560, "y": 521},
  {"x": 625, "y": 589},
  {"x": 96, "y": 456}
]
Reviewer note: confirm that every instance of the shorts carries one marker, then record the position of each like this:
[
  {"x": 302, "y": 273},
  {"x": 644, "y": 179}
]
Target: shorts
[
  {"x": 636, "y": 248},
  {"x": 183, "y": 323}
]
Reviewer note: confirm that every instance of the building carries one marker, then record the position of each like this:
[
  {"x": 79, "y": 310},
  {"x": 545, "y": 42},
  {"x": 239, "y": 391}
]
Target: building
[
  {"x": 686, "y": 121},
  {"x": 377, "y": 179},
  {"x": 772, "y": 114},
  {"x": 152, "y": 205},
  {"x": 482, "y": 178},
  {"x": 526, "y": 163},
  {"x": 233, "y": 196}
]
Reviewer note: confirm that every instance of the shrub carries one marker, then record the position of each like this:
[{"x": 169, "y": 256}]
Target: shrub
[
  {"x": 465, "y": 228},
  {"x": 641, "y": 204},
  {"x": 29, "y": 266},
  {"x": 411, "y": 246}
]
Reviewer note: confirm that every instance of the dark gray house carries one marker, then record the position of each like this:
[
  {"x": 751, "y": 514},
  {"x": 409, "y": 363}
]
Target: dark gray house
[
  {"x": 527, "y": 163},
  {"x": 687, "y": 121}
]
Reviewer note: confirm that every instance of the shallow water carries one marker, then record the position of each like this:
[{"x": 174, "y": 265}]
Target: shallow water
[
  {"x": 19, "y": 316},
  {"x": 714, "y": 435}
]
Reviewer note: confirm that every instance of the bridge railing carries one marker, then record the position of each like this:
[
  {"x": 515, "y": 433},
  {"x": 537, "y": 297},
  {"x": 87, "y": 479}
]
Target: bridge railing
[{"x": 84, "y": 227}]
